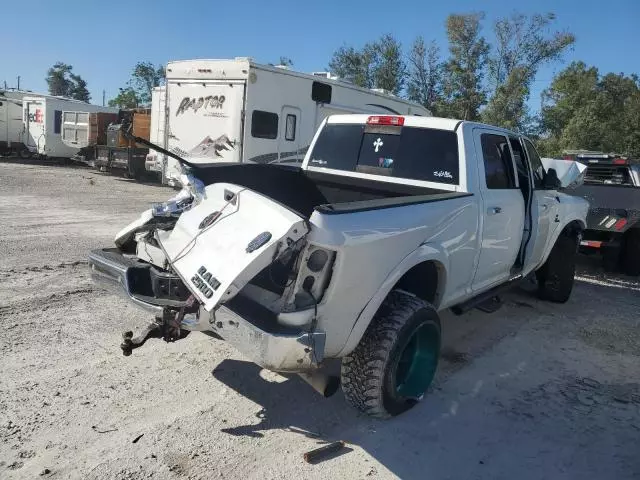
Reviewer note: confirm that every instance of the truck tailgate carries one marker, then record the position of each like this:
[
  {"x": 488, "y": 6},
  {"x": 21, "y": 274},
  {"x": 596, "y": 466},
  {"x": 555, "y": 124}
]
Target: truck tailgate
[
  {"x": 218, "y": 246},
  {"x": 609, "y": 202}
]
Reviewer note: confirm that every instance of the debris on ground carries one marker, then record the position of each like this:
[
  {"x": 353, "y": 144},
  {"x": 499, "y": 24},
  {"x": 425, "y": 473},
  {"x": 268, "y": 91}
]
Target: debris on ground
[{"x": 324, "y": 453}]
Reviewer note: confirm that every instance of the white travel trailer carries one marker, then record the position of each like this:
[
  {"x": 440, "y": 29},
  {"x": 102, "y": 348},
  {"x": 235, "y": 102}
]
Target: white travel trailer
[
  {"x": 43, "y": 123},
  {"x": 239, "y": 111},
  {"x": 11, "y": 125}
]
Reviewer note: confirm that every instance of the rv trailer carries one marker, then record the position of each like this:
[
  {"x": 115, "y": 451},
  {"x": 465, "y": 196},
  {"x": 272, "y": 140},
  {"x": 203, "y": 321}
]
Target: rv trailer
[
  {"x": 11, "y": 125},
  {"x": 43, "y": 124},
  {"x": 218, "y": 111}
]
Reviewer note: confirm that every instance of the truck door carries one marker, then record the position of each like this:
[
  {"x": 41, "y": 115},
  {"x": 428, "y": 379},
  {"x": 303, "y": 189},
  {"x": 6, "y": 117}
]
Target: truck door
[
  {"x": 503, "y": 209},
  {"x": 289, "y": 138},
  {"x": 544, "y": 209}
]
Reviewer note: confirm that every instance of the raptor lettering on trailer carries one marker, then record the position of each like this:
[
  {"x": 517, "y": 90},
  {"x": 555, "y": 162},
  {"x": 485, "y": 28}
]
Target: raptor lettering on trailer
[
  {"x": 212, "y": 102},
  {"x": 205, "y": 282}
]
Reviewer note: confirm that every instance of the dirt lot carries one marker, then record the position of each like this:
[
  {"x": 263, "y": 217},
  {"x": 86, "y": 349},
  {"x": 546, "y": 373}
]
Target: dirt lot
[{"x": 533, "y": 391}]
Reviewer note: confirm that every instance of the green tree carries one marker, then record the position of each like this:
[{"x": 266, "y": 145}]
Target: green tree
[
  {"x": 583, "y": 110},
  {"x": 465, "y": 69},
  {"x": 355, "y": 66},
  {"x": 378, "y": 64},
  {"x": 523, "y": 44},
  {"x": 58, "y": 79},
  {"x": 424, "y": 82},
  {"x": 64, "y": 83},
  {"x": 126, "y": 99},
  {"x": 389, "y": 69},
  {"x": 79, "y": 89},
  {"x": 144, "y": 78}
]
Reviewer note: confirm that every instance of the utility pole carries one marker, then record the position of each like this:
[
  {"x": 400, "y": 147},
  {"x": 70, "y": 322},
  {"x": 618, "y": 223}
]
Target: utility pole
[
  {"x": 18, "y": 82},
  {"x": 103, "y": 95}
]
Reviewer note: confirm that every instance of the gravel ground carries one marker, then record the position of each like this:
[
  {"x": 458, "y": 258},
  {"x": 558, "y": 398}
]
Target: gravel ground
[{"x": 533, "y": 391}]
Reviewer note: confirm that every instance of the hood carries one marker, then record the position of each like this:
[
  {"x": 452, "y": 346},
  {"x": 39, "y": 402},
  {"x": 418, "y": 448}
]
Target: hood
[{"x": 570, "y": 173}]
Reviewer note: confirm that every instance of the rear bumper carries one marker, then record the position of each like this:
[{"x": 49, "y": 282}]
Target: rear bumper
[
  {"x": 270, "y": 346},
  {"x": 112, "y": 270}
]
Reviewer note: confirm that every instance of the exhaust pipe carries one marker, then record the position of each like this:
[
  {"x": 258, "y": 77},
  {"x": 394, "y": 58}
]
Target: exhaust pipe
[{"x": 325, "y": 385}]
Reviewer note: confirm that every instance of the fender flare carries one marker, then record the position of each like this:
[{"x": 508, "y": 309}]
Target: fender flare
[
  {"x": 424, "y": 253},
  {"x": 574, "y": 225}
]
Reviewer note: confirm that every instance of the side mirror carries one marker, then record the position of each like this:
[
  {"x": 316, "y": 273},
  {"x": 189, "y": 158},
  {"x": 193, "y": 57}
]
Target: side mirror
[{"x": 551, "y": 180}]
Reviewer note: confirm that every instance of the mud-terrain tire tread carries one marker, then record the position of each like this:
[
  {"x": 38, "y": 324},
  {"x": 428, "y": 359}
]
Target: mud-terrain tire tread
[
  {"x": 363, "y": 370},
  {"x": 631, "y": 252},
  {"x": 555, "y": 277}
]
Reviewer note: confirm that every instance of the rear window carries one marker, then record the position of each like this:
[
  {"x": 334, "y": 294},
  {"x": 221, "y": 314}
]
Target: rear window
[
  {"x": 403, "y": 152},
  {"x": 608, "y": 174}
]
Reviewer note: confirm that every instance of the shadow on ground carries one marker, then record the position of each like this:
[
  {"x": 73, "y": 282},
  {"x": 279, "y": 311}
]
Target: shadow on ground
[{"x": 467, "y": 426}]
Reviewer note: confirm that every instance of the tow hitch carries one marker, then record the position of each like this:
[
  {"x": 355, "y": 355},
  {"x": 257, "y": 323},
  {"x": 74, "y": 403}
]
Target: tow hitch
[{"x": 167, "y": 327}]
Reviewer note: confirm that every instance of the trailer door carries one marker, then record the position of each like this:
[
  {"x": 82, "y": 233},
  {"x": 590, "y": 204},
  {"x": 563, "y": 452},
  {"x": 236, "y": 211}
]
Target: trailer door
[
  {"x": 34, "y": 124},
  {"x": 75, "y": 129}
]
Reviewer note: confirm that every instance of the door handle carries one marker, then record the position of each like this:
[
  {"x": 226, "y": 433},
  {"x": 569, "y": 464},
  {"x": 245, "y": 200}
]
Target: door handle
[{"x": 494, "y": 210}]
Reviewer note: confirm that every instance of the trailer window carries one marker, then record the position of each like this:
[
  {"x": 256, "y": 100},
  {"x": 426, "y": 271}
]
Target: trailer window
[
  {"x": 57, "y": 121},
  {"x": 407, "y": 152},
  {"x": 264, "y": 124},
  {"x": 290, "y": 128},
  {"x": 321, "y": 92},
  {"x": 498, "y": 164}
]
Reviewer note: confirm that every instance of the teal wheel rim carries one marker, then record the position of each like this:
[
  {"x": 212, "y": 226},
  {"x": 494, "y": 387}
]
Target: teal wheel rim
[{"x": 418, "y": 361}]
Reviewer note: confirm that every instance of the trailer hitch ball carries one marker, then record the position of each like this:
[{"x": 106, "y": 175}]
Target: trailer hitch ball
[{"x": 129, "y": 342}]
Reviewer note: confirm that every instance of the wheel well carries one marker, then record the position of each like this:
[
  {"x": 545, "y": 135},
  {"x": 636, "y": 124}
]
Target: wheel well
[
  {"x": 573, "y": 228},
  {"x": 423, "y": 280}
]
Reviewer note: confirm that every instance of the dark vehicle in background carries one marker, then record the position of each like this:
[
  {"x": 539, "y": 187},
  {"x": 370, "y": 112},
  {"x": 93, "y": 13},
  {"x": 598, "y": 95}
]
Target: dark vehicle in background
[
  {"x": 121, "y": 154},
  {"x": 612, "y": 188}
]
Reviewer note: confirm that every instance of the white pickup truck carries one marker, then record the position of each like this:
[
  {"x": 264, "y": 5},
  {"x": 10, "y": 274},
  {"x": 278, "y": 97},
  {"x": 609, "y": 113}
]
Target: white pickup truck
[{"x": 351, "y": 256}]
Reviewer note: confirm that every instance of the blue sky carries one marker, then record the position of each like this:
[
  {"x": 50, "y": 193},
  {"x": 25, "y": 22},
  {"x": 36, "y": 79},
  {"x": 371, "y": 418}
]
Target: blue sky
[{"x": 103, "y": 40}]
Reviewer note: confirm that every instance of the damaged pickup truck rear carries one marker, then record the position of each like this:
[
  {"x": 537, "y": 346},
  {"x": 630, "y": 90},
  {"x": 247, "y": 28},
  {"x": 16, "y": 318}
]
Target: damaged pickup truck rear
[{"x": 350, "y": 256}]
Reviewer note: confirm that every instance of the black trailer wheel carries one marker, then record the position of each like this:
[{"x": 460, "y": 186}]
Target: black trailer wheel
[
  {"x": 555, "y": 277},
  {"x": 395, "y": 362},
  {"x": 631, "y": 252},
  {"x": 24, "y": 153}
]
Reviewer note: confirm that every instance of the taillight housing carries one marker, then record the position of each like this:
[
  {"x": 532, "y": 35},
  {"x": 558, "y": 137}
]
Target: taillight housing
[
  {"x": 619, "y": 225},
  {"x": 390, "y": 120}
]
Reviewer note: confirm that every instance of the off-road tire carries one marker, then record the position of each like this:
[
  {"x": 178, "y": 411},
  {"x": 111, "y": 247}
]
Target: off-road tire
[
  {"x": 368, "y": 373},
  {"x": 631, "y": 252},
  {"x": 555, "y": 277}
]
